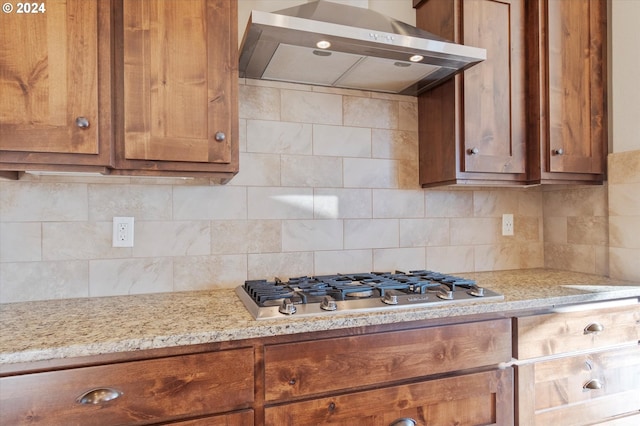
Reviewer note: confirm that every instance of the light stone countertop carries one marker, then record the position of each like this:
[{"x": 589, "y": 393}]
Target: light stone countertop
[{"x": 39, "y": 331}]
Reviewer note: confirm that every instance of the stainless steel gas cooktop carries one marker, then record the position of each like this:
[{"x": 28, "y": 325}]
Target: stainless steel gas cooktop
[{"x": 361, "y": 292}]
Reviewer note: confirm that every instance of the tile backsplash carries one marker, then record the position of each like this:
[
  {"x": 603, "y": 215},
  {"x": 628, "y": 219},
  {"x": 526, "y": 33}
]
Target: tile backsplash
[{"x": 327, "y": 183}]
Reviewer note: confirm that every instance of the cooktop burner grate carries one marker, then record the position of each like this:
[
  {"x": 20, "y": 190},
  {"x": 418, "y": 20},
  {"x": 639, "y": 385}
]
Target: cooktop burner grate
[{"x": 344, "y": 293}]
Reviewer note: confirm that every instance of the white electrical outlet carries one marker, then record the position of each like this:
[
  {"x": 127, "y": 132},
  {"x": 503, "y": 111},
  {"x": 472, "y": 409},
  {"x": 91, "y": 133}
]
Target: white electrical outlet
[
  {"x": 507, "y": 224},
  {"x": 122, "y": 232}
]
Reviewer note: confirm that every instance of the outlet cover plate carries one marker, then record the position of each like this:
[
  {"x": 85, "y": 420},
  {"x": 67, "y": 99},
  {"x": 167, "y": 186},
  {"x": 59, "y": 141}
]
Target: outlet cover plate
[{"x": 122, "y": 232}]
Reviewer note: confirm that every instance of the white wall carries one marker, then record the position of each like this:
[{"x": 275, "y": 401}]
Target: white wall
[{"x": 624, "y": 106}]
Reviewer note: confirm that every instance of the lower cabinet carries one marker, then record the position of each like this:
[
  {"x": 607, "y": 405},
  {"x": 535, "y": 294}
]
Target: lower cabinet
[
  {"x": 473, "y": 399},
  {"x": 579, "y": 366},
  {"x": 153, "y": 391}
]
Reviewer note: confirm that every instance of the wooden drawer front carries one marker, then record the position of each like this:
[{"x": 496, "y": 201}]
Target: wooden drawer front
[
  {"x": 473, "y": 399},
  {"x": 307, "y": 368},
  {"x": 560, "y": 394},
  {"x": 152, "y": 390},
  {"x": 556, "y": 333},
  {"x": 243, "y": 418}
]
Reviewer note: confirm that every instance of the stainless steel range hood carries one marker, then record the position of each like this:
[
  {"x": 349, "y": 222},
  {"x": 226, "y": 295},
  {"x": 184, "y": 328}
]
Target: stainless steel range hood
[{"x": 329, "y": 44}]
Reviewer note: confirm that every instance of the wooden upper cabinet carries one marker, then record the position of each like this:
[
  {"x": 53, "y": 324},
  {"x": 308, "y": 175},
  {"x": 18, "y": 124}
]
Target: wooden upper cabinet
[
  {"x": 179, "y": 86},
  {"x": 569, "y": 56},
  {"x": 473, "y": 128},
  {"x": 54, "y": 80}
]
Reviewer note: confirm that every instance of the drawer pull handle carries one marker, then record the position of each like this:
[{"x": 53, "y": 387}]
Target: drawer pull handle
[
  {"x": 592, "y": 384},
  {"x": 99, "y": 396},
  {"x": 594, "y": 327},
  {"x": 406, "y": 421}
]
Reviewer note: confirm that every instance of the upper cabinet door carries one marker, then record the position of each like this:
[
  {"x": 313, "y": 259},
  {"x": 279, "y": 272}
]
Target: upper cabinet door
[
  {"x": 472, "y": 129},
  {"x": 494, "y": 92},
  {"x": 50, "y": 71},
  {"x": 576, "y": 39},
  {"x": 180, "y": 85}
]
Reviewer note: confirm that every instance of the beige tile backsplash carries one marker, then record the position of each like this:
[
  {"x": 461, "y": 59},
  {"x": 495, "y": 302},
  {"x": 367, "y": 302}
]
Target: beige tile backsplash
[{"x": 327, "y": 183}]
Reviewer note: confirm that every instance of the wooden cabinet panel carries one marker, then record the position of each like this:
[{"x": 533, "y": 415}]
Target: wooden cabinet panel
[
  {"x": 151, "y": 391},
  {"x": 581, "y": 389},
  {"x": 309, "y": 368},
  {"x": 473, "y": 128},
  {"x": 179, "y": 86},
  {"x": 556, "y": 333},
  {"x": 473, "y": 399},
  {"x": 243, "y": 418},
  {"x": 570, "y": 88},
  {"x": 54, "y": 70}
]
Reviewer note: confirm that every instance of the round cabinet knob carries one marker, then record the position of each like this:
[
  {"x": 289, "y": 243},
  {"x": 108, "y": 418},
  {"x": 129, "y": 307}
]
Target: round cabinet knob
[
  {"x": 558, "y": 151},
  {"x": 473, "y": 151},
  {"x": 82, "y": 122},
  {"x": 220, "y": 136}
]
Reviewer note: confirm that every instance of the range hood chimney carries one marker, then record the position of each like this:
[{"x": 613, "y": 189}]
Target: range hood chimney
[{"x": 329, "y": 44}]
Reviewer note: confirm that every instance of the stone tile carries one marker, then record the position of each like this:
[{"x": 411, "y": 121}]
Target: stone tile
[
  {"x": 341, "y": 141},
  {"x": 570, "y": 257},
  {"x": 342, "y": 203},
  {"x": 259, "y": 103},
  {"x": 257, "y": 170},
  {"x": 495, "y": 203},
  {"x": 26, "y": 281},
  {"x": 624, "y": 167},
  {"x": 177, "y": 238},
  {"x": 280, "y": 203},
  {"x": 143, "y": 202},
  {"x": 555, "y": 230},
  {"x": 394, "y": 144},
  {"x": 311, "y": 107},
  {"x": 310, "y": 235},
  {"x": 209, "y": 203},
  {"x": 450, "y": 259},
  {"x": 408, "y": 116},
  {"x": 402, "y": 259},
  {"x": 20, "y": 241},
  {"x": 45, "y": 202},
  {"x": 246, "y": 236},
  {"x": 279, "y": 137},
  {"x": 111, "y": 277},
  {"x": 209, "y": 272},
  {"x": 624, "y": 232},
  {"x": 370, "y": 173},
  {"x": 81, "y": 240},
  {"x": 312, "y": 171},
  {"x": 592, "y": 230},
  {"x": 373, "y": 113},
  {"x": 424, "y": 232},
  {"x": 624, "y": 199},
  {"x": 342, "y": 261},
  {"x": 439, "y": 203},
  {"x": 281, "y": 265},
  {"x": 471, "y": 231},
  {"x": 390, "y": 203},
  {"x": 370, "y": 233},
  {"x": 623, "y": 264}
]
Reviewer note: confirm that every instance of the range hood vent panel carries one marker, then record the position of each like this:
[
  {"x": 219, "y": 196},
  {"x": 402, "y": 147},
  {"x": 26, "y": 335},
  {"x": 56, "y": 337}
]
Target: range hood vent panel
[{"x": 365, "y": 49}]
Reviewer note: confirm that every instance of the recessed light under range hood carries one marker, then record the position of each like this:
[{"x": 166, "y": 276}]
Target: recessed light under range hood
[{"x": 329, "y": 44}]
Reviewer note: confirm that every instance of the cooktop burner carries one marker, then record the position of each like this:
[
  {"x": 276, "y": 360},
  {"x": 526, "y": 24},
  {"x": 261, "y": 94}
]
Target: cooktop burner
[{"x": 368, "y": 292}]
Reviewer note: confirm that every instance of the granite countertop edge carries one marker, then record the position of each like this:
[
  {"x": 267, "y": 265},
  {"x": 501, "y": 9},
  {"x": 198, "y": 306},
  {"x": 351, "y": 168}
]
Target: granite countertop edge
[{"x": 48, "y": 330}]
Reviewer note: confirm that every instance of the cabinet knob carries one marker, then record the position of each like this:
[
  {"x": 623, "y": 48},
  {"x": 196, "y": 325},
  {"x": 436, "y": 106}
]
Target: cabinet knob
[
  {"x": 406, "y": 421},
  {"x": 558, "y": 151},
  {"x": 82, "y": 122},
  {"x": 593, "y": 328},
  {"x": 98, "y": 396},
  {"x": 473, "y": 151},
  {"x": 592, "y": 384},
  {"x": 220, "y": 136}
]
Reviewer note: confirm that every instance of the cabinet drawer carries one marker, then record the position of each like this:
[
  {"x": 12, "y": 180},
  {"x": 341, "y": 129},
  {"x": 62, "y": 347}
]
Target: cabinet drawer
[
  {"x": 472, "y": 399},
  {"x": 306, "y": 368},
  {"x": 151, "y": 391},
  {"x": 582, "y": 389},
  {"x": 594, "y": 328},
  {"x": 242, "y": 418}
]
